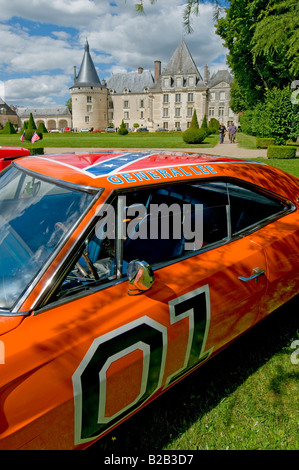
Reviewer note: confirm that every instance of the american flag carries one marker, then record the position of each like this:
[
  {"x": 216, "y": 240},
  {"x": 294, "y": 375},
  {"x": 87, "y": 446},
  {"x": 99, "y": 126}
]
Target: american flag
[
  {"x": 34, "y": 137},
  {"x": 22, "y": 138}
]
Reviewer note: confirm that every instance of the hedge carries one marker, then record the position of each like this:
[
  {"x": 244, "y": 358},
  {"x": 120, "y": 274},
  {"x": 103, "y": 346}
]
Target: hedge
[
  {"x": 264, "y": 142},
  {"x": 281, "y": 151}
]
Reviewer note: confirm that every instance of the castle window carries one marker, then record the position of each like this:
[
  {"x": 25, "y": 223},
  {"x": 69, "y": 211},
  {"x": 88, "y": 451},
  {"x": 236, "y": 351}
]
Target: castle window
[
  {"x": 221, "y": 112},
  {"x": 191, "y": 81},
  {"x": 126, "y": 115},
  {"x": 88, "y": 108},
  {"x": 177, "y": 112},
  {"x": 165, "y": 98},
  {"x": 190, "y": 97},
  {"x": 89, "y": 99},
  {"x": 211, "y": 112},
  {"x": 86, "y": 119},
  {"x": 222, "y": 95},
  {"x": 165, "y": 112},
  {"x": 126, "y": 104},
  {"x": 178, "y": 97},
  {"x": 189, "y": 112}
]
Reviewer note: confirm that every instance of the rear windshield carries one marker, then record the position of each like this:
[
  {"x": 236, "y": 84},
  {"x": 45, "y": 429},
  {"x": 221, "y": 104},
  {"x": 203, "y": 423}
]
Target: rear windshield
[{"x": 35, "y": 215}]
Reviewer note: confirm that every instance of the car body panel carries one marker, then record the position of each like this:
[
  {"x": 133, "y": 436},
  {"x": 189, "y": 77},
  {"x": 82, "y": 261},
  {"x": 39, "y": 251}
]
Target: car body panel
[
  {"x": 77, "y": 367},
  {"x": 8, "y": 154}
]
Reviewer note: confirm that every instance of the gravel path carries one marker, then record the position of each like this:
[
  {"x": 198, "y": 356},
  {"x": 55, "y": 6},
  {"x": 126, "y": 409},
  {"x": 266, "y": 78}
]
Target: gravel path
[{"x": 224, "y": 150}]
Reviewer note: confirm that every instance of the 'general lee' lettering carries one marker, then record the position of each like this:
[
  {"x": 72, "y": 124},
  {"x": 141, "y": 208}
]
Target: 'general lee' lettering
[{"x": 158, "y": 174}]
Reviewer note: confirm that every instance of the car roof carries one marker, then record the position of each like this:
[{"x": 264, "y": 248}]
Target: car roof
[{"x": 115, "y": 169}]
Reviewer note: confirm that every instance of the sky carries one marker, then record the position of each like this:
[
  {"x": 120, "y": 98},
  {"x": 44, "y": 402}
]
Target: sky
[{"x": 41, "y": 42}]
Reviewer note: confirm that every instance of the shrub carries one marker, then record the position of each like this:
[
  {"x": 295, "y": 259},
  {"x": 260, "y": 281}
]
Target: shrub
[
  {"x": 264, "y": 142},
  {"x": 122, "y": 129},
  {"x": 204, "y": 126},
  {"x": 281, "y": 151},
  {"x": 214, "y": 125},
  {"x": 42, "y": 128},
  {"x": 8, "y": 128},
  {"x": 194, "y": 136},
  {"x": 31, "y": 123},
  {"x": 29, "y": 133},
  {"x": 194, "y": 121}
]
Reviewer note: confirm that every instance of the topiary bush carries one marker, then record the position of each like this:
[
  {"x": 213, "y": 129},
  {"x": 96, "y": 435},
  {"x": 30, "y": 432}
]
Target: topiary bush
[
  {"x": 122, "y": 129},
  {"x": 29, "y": 133},
  {"x": 194, "y": 136},
  {"x": 8, "y": 128},
  {"x": 264, "y": 142},
  {"x": 42, "y": 128},
  {"x": 281, "y": 151}
]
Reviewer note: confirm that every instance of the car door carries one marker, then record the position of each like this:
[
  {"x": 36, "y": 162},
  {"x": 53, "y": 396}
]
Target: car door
[{"x": 93, "y": 354}]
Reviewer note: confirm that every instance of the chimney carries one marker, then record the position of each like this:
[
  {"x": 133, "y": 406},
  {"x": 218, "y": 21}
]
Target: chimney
[
  {"x": 140, "y": 70},
  {"x": 103, "y": 82},
  {"x": 157, "y": 69},
  {"x": 206, "y": 74}
]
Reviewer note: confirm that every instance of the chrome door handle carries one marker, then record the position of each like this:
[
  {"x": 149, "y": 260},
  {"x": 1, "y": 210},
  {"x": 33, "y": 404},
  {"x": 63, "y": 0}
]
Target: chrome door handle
[{"x": 257, "y": 272}]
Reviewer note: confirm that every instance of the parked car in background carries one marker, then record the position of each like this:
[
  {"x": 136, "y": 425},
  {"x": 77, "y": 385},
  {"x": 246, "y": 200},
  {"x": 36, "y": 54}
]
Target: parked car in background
[
  {"x": 142, "y": 129},
  {"x": 84, "y": 130},
  {"x": 8, "y": 154},
  {"x": 122, "y": 272},
  {"x": 110, "y": 129}
]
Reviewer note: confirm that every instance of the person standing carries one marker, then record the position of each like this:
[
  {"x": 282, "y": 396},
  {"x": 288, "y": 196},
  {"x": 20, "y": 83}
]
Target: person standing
[
  {"x": 222, "y": 131},
  {"x": 232, "y": 133}
]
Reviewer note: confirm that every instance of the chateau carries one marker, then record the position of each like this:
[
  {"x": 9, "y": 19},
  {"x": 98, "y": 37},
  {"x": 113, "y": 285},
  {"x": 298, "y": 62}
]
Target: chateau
[{"x": 166, "y": 100}]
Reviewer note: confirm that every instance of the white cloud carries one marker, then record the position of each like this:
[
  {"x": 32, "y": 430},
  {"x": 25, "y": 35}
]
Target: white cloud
[
  {"x": 45, "y": 48},
  {"x": 37, "y": 90}
]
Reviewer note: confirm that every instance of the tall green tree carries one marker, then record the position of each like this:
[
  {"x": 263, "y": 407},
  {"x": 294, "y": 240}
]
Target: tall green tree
[{"x": 255, "y": 67}]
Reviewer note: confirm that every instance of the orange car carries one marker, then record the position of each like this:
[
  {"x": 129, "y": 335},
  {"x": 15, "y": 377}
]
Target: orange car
[{"x": 121, "y": 273}]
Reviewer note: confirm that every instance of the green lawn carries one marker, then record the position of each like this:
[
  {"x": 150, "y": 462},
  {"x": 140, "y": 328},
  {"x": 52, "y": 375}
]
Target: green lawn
[
  {"x": 110, "y": 140},
  {"x": 246, "y": 398}
]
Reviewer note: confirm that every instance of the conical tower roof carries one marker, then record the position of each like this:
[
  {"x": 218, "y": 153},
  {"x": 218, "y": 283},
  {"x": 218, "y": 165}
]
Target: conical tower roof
[{"x": 87, "y": 74}]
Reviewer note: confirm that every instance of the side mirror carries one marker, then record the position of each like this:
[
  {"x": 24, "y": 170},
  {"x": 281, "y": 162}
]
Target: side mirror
[{"x": 141, "y": 277}]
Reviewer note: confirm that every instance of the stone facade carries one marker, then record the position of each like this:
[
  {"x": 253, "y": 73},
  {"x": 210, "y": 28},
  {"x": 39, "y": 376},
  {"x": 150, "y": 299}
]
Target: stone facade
[
  {"x": 53, "y": 117},
  {"x": 166, "y": 100}
]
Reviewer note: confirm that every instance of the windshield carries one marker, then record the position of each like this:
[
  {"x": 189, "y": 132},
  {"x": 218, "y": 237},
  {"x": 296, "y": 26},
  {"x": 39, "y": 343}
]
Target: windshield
[{"x": 35, "y": 215}]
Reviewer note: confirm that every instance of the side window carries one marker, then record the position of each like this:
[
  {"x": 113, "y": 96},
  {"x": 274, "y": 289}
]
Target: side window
[
  {"x": 174, "y": 221},
  {"x": 248, "y": 207},
  {"x": 95, "y": 264}
]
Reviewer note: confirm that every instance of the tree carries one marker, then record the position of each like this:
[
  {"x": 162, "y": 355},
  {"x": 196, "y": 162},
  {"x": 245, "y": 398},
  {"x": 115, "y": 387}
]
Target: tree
[{"x": 260, "y": 53}]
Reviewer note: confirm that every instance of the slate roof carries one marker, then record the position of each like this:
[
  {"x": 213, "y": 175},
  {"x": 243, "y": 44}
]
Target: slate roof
[
  {"x": 8, "y": 110},
  {"x": 220, "y": 76},
  {"x": 134, "y": 82},
  {"x": 24, "y": 112},
  {"x": 181, "y": 63}
]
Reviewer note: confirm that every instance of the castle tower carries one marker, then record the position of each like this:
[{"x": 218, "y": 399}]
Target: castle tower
[{"x": 89, "y": 96}]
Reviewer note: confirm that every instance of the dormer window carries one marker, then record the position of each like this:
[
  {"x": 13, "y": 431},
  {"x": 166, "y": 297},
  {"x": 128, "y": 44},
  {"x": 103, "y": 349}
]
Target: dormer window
[{"x": 126, "y": 90}]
